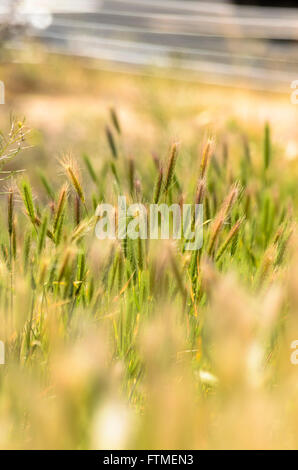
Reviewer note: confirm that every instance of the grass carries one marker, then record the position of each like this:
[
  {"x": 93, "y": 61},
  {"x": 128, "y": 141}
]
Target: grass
[{"x": 142, "y": 344}]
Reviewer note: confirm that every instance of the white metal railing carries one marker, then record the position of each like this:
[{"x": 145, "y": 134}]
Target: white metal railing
[{"x": 210, "y": 37}]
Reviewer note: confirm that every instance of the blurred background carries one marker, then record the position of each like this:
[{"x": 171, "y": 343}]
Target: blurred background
[
  {"x": 172, "y": 69},
  {"x": 241, "y": 42}
]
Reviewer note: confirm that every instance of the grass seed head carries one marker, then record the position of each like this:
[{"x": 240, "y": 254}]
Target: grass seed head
[
  {"x": 111, "y": 142},
  {"x": 171, "y": 166},
  {"x": 60, "y": 206},
  {"x": 158, "y": 186},
  {"x": 115, "y": 120},
  {"x": 201, "y": 189},
  {"x": 28, "y": 201},
  {"x": 72, "y": 172},
  {"x": 207, "y": 151}
]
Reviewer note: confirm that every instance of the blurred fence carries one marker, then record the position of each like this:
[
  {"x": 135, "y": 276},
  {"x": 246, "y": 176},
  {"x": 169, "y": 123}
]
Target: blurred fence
[{"x": 212, "y": 41}]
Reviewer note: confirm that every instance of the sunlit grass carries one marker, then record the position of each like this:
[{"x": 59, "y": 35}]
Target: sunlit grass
[{"x": 122, "y": 344}]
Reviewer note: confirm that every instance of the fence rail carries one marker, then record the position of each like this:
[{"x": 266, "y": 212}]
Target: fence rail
[{"x": 214, "y": 39}]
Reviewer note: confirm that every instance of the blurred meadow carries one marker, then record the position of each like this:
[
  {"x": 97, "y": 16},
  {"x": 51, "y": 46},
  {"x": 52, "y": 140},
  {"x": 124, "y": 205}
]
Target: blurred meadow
[{"x": 142, "y": 344}]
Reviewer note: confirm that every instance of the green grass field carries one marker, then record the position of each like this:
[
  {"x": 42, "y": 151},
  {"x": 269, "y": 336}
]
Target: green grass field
[{"x": 141, "y": 344}]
